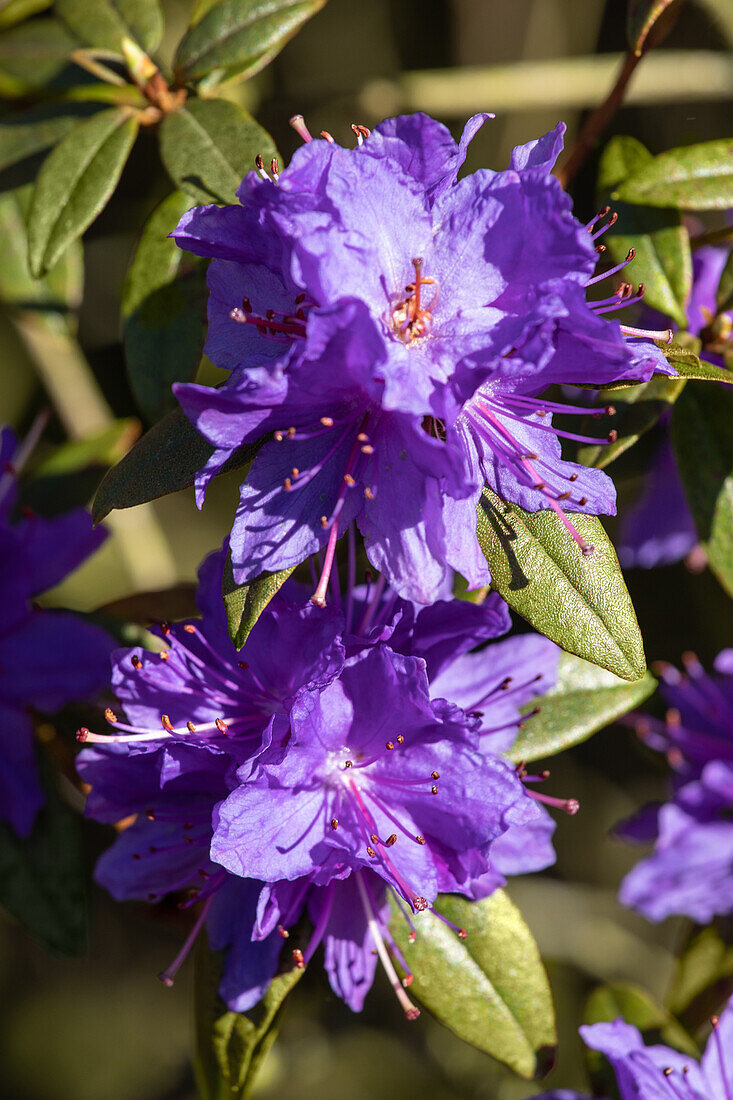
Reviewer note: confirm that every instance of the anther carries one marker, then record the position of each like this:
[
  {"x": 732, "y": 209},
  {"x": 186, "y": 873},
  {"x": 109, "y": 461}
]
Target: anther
[
  {"x": 349, "y": 480},
  {"x": 190, "y": 727},
  {"x": 110, "y": 715},
  {"x": 287, "y": 484},
  {"x": 150, "y": 814},
  {"x": 612, "y": 436},
  {"x": 374, "y": 838},
  {"x": 420, "y": 839},
  {"x": 278, "y": 437},
  {"x": 368, "y": 493},
  {"x": 391, "y": 839},
  {"x": 389, "y": 745},
  {"x": 435, "y": 775},
  {"x": 189, "y": 628},
  {"x": 284, "y": 934},
  {"x": 370, "y": 851},
  {"x": 348, "y": 764},
  {"x": 327, "y": 421},
  {"x": 294, "y": 472},
  {"x": 324, "y": 521},
  {"x": 334, "y": 823},
  {"x": 420, "y": 904},
  {"x": 298, "y": 959},
  {"x": 433, "y": 790},
  {"x": 400, "y": 739},
  {"x": 82, "y": 734},
  {"x": 221, "y": 725},
  {"x": 327, "y": 137},
  {"x": 136, "y": 662},
  {"x": 164, "y": 655},
  {"x": 166, "y": 723}
]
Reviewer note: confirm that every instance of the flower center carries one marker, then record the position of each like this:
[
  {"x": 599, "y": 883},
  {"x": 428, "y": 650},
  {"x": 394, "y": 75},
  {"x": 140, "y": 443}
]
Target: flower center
[{"x": 411, "y": 318}]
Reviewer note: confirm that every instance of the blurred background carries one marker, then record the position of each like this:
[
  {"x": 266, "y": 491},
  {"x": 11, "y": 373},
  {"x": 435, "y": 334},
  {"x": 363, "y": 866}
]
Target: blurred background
[{"x": 107, "y": 1030}]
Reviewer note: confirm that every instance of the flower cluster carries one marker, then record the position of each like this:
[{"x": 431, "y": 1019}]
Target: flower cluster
[
  {"x": 690, "y": 871},
  {"x": 390, "y": 329},
  {"x": 658, "y": 1072},
  {"x": 347, "y": 755},
  {"x": 47, "y": 658}
]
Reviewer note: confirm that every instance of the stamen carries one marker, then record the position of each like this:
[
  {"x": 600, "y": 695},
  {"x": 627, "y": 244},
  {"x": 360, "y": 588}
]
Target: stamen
[
  {"x": 569, "y": 805},
  {"x": 649, "y": 334},
  {"x": 411, "y": 1010},
  {"x": 168, "y": 975}
]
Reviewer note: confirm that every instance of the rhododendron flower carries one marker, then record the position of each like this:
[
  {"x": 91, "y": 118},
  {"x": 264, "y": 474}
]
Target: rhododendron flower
[
  {"x": 319, "y": 770},
  {"x": 47, "y": 658},
  {"x": 690, "y": 871},
  {"x": 391, "y": 328}
]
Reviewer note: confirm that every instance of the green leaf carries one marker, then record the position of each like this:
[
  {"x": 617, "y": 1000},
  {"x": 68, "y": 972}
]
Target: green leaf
[
  {"x": 15, "y": 11},
  {"x": 60, "y": 290},
  {"x": 33, "y": 55},
  {"x": 24, "y": 135},
  {"x": 703, "y": 444},
  {"x": 166, "y": 459},
  {"x": 705, "y": 966},
  {"x": 231, "y": 1046},
  {"x": 209, "y": 146},
  {"x": 641, "y": 17},
  {"x": 42, "y": 877},
  {"x": 637, "y": 410},
  {"x": 724, "y": 295},
  {"x": 76, "y": 182},
  {"x": 692, "y": 177},
  {"x": 491, "y": 988},
  {"x": 663, "y": 261},
  {"x": 104, "y": 23},
  {"x": 102, "y": 449},
  {"x": 244, "y": 603},
  {"x": 578, "y": 601},
  {"x": 638, "y": 1008},
  {"x": 239, "y": 37},
  {"x": 584, "y": 699},
  {"x": 689, "y": 365},
  {"x": 164, "y": 308}
]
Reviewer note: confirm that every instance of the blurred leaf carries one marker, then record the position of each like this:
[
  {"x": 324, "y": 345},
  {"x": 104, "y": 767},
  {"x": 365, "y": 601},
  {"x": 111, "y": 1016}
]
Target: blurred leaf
[
  {"x": 641, "y": 16},
  {"x": 42, "y": 877},
  {"x": 663, "y": 261},
  {"x": 724, "y": 295},
  {"x": 164, "y": 307},
  {"x": 60, "y": 290},
  {"x": 33, "y": 54},
  {"x": 104, "y": 23},
  {"x": 703, "y": 444},
  {"x": 491, "y": 989},
  {"x": 578, "y": 601},
  {"x": 230, "y": 1046},
  {"x": 692, "y": 177},
  {"x": 638, "y": 1008},
  {"x": 166, "y": 459},
  {"x": 209, "y": 146},
  {"x": 15, "y": 11},
  {"x": 706, "y": 964},
  {"x": 238, "y": 37},
  {"x": 103, "y": 449},
  {"x": 637, "y": 410},
  {"x": 689, "y": 365},
  {"x": 76, "y": 182},
  {"x": 584, "y": 699},
  {"x": 24, "y": 135},
  {"x": 244, "y": 603}
]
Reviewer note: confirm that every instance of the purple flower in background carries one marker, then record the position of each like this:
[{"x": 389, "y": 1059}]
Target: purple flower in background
[
  {"x": 690, "y": 870},
  {"x": 659, "y": 1072},
  {"x": 391, "y": 328},
  {"x": 658, "y": 529},
  {"x": 323, "y": 792},
  {"x": 47, "y": 658}
]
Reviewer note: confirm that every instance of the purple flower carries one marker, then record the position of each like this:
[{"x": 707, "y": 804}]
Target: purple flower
[
  {"x": 658, "y": 1072},
  {"x": 391, "y": 328},
  {"x": 325, "y": 789},
  {"x": 690, "y": 870},
  {"x": 658, "y": 529},
  {"x": 47, "y": 658}
]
